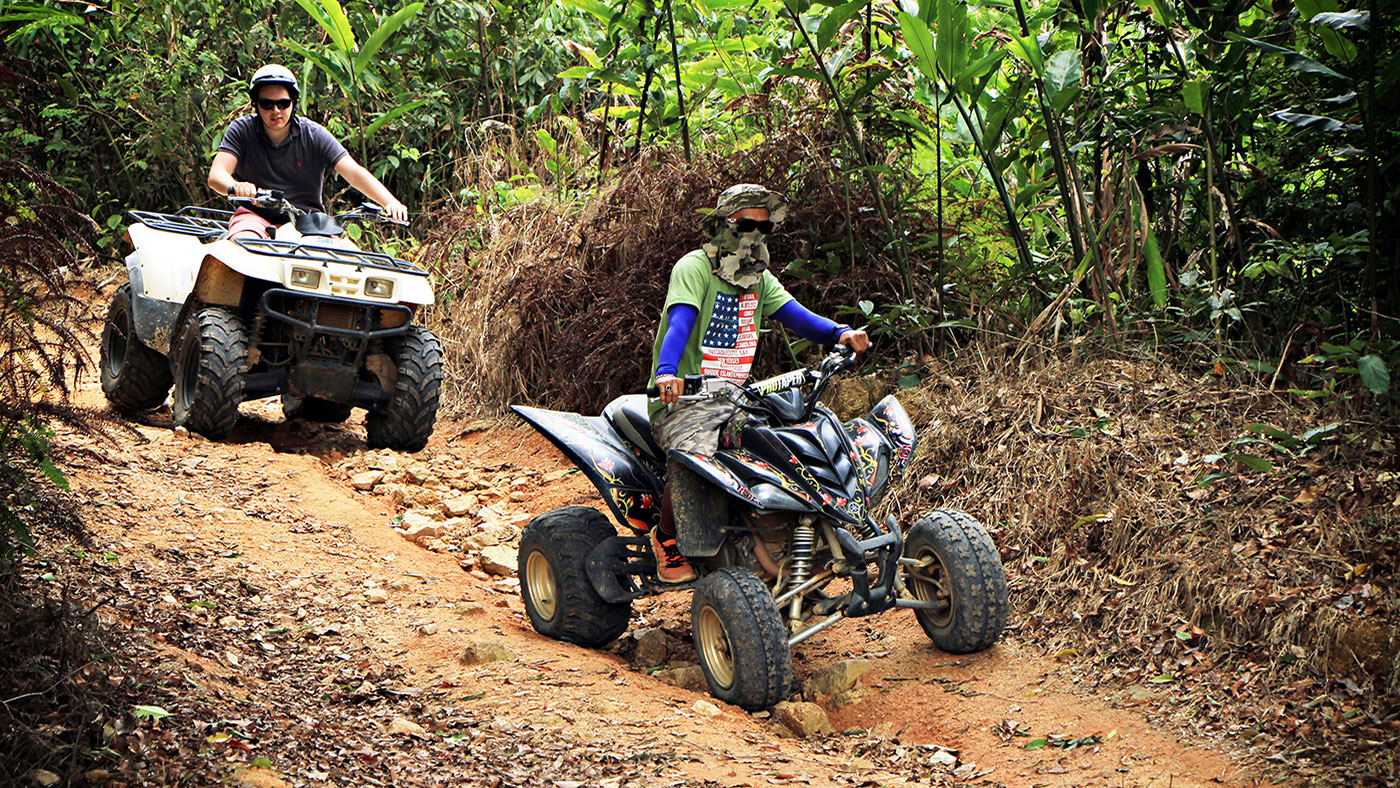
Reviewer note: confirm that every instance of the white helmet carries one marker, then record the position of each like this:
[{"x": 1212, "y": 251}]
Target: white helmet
[{"x": 273, "y": 74}]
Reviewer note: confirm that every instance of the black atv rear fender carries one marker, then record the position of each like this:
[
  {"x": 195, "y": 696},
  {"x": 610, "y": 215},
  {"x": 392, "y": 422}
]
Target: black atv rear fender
[{"x": 632, "y": 491}]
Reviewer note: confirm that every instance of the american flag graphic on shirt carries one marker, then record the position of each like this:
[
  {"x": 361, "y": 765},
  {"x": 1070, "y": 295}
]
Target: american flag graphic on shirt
[{"x": 731, "y": 337}]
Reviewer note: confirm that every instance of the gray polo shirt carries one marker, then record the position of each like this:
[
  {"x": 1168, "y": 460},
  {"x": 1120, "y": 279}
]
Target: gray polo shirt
[{"x": 297, "y": 167}]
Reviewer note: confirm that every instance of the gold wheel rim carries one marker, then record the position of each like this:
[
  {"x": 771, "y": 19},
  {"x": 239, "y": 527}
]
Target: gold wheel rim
[
  {"x": 539, "y": 584},
  {"x": 930, "y": 584},
  {"x": 714, "y": 647}
]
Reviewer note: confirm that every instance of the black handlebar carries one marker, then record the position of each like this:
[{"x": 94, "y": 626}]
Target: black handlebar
[
  {"x": 275, "y": 199},
  {"x": 839, "y": 360}
]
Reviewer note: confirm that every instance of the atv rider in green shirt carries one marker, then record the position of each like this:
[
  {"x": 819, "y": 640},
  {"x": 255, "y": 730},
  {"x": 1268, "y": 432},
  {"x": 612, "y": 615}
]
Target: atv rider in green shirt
[{"x": 709, "y": 325}]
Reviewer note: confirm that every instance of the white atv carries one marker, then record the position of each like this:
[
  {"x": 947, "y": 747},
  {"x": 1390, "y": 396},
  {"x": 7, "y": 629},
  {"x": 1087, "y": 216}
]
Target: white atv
[{"x": 327, "y": 326}]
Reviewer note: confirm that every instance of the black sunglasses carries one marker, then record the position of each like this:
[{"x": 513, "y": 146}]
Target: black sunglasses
[
  {"x": 278, "y": 103},
  {"x": 749, "y": 225}
]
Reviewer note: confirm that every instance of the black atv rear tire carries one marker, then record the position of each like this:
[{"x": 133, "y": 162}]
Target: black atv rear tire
[
  {"x": 740, "y": 638},
  {"x": 209, "y": 361},
  {"x": 552, "y": 564},
  {"x": 134, "y": 377},
  {"x": 314, "y": 409},
  {"x": 966, "y": 573},
  {"x": 406, "y": 423}
]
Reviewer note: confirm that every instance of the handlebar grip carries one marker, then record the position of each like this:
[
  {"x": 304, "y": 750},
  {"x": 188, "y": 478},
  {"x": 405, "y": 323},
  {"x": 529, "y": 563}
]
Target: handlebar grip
[{"x": 690, "y": 384}]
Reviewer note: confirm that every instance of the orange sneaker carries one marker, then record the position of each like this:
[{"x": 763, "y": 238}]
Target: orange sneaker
[{"x": 671, "y": 566}]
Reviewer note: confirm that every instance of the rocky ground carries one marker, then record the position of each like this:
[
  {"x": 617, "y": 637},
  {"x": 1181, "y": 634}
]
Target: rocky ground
[{"x": 306, "y": 612}]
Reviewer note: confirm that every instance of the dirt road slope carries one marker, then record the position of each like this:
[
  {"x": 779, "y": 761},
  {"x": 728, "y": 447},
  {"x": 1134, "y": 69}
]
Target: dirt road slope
[{"x": 302, "y": 639}]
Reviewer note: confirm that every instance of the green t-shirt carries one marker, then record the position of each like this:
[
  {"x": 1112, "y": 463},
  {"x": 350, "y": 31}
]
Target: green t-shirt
[{"x": 726, "y": 330}]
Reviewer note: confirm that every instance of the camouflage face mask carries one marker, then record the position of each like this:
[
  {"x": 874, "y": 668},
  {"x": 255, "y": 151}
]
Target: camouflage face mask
[{"x": 739, "y": 258}]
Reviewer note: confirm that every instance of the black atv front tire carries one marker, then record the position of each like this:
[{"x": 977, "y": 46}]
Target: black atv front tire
[
  {"x": 552, "y": 564},
  {"x": 406, "y": 423},
  {"x": 210, "y": 359},
  {"x": 314, "y": 409},
  {"x": 134, "y": 377},
  {"x": 740, "y": 638},
  {"x": 963, "y": 572}
]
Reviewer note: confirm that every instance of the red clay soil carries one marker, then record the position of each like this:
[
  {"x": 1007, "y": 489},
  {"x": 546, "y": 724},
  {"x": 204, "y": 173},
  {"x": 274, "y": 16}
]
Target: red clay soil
[{"x": 268, "y": 515}]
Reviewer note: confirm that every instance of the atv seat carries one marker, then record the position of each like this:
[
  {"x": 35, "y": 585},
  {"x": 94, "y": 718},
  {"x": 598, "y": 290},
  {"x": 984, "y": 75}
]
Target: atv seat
[{"x": 628, "y": 415}]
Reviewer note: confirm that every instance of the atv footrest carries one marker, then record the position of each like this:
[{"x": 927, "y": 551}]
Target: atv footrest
[{"x": 623, "y": 568}]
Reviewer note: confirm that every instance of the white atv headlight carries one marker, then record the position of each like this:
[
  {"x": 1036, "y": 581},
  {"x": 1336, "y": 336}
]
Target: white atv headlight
[
  {"x": 306, "y": 277},
  {"x": 379, "y": 288}
]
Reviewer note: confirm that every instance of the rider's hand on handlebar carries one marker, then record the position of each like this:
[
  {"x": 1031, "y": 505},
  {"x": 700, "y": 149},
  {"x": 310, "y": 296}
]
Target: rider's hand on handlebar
[
  {"x": 669, "y": 388},
  {"x": 855, "y": 339},
  {"x": 243, "y": 189},
  {"x": 396, "y": 211}
]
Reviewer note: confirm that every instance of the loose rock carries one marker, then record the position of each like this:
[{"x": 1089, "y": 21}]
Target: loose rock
[
  {"x": 499, "y": 560},
  {"x": 384, "y": 461},
  {"x": 414, "y": 519},
  {"x": 803, "y": 719},
  {"x": 258, "y": 777},
  {"x": 460, "y": 506},
  {"x": 376, "y": 596},
  {"x": 689, "y": 677},
  {"x": 478, "y": 651},
  {"x": 653, "y": 646},
  {"x": 836, "y": 679},
  {"x": 468, "y": 609},
  {"x": 366, "y": 480},
  {"x": 605, "y": 707},
  {"x": 422, "y": 532},
  {"x": 943, "y": 758},
  {"x": 476, "y": 542},
  {"x": 401, "y": 726},
  {"x": 852, "y": 696},
  {"x": 706, "y": 708}
]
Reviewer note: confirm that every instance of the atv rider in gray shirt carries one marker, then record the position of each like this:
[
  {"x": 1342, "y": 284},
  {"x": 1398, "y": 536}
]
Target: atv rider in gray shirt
[{"x": 275, "y": 148}]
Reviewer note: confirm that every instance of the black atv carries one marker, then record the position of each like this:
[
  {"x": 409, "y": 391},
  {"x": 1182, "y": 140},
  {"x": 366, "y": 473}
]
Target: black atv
[{"x": 789, "y": 545}]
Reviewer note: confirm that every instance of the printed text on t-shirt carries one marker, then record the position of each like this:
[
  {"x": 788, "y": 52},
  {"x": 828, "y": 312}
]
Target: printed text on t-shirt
[{"x": 730, "y": 339}]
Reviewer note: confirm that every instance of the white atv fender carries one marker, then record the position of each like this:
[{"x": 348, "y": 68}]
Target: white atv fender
[
  {"x": 162, "y": 271},
  {"x": 168, "y": 271}
]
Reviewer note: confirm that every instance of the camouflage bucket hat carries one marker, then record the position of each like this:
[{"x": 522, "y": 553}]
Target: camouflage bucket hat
[{"x": 739, "y": 197}]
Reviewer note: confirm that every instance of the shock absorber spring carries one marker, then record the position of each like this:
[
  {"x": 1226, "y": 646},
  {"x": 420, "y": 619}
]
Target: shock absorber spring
[{"x": 804, "y": 542}]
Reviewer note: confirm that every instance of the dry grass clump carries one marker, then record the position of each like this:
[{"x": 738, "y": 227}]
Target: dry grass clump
[{"x": 1259, "y": 586}]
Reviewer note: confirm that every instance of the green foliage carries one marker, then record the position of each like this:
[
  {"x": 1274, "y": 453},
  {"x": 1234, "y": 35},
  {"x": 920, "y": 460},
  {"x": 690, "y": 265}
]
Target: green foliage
[
  {"x": 1372, "y": 363},
  {"x": 1283, "y": 443},
  {"x": 1214, "y": 168},
  {"x": 346, "y": 63}
]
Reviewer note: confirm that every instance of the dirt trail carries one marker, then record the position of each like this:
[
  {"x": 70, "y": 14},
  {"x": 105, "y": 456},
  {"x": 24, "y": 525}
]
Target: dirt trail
[{"x": 261, "y": 551}]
